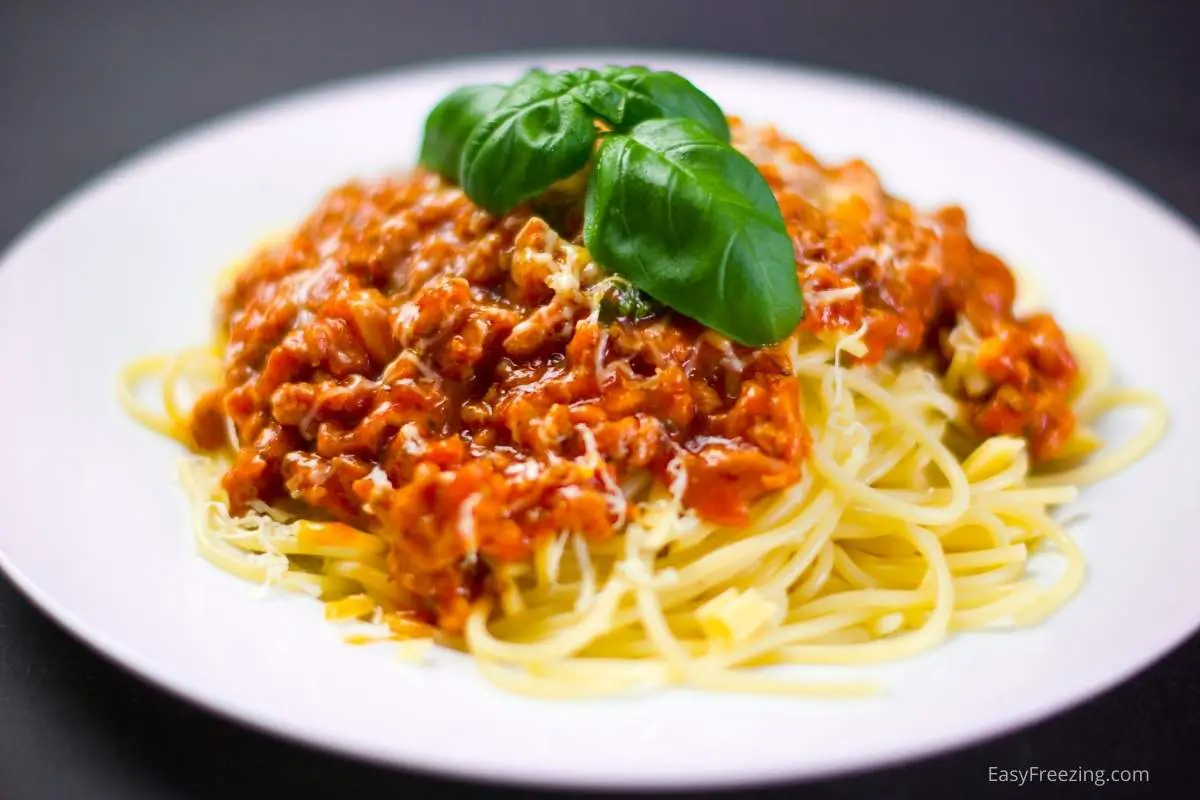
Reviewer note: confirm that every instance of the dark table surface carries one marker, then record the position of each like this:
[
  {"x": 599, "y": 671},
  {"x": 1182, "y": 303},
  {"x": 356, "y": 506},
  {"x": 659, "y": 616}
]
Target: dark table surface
[{"x": 85, "y": 84}]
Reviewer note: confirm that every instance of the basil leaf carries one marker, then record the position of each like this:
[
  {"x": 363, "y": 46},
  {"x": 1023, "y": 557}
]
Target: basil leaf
[
  {"x": 690, "y": 221},
  {"x": 620, "y": 105},
  {"x": 451, "y": 122},
  {"x": 627, "y": 96},
  {"x": 623, "y": 300},
  {"x": 539, "y": 133}
]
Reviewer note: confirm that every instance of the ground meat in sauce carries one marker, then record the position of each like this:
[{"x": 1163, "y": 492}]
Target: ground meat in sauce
[{"x": 409, "y": 363}]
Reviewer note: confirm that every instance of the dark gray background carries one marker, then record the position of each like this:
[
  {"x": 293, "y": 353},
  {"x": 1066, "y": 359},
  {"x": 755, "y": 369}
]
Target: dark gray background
[{"x": 85, "y": 84}]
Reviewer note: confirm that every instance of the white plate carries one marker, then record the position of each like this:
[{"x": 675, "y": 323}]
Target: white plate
[{"x": 93, "y": 528}]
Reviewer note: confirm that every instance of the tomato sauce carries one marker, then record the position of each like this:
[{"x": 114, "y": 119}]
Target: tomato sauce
[{"x": 407, "y": 363}]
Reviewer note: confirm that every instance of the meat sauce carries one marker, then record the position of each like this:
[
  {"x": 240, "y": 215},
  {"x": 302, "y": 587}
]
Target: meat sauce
[{"x": 408, "y": 363}]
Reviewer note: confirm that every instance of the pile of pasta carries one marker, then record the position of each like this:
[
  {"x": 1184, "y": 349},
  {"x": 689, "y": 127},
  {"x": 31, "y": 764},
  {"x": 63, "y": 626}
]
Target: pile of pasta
[{"x": 903, "y": 531}]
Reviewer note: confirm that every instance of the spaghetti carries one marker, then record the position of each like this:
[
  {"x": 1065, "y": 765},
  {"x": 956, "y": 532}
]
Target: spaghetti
[{"x": 418, "y": 414}]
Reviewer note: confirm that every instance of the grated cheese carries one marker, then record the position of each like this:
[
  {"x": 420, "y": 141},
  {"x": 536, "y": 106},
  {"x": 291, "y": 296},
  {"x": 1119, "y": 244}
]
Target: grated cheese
[
  {"x": 425, "y": 370},
  {"x": 466, "y": 525},
  {"x": 378, "y": 477},
  {"x": 603, "y": 373},
  {"x": 617, "y": 502},
  {"x": 677, "y": 469},
  {"x": 734, "y": 616},
  {"x": 833, "y": 295},
  {"x": 413, "y": 443}
]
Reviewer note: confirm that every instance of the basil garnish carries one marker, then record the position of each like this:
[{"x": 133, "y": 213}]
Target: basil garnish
[
  {"x": 626, "y": 96},
  {"x": 621, "y": 300},
  {"x": 689, "y": 220},
  {"x": 671, "y": 205},
  {"x": 451, "y": 122},
  {"x": 538, "y": 134}
]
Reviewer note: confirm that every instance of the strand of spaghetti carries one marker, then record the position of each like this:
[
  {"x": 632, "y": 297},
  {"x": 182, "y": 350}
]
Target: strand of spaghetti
[
  {"x": 883, "y": 544},
  {"x": 294, "y": 546},
  {"x": 765, "y": 573},
  {"x": 177, "y": 415},
  {"x": 649, "y": 608},
  {"x": 818, "y": 576},
  {"x": 719, "y": 565},
  {"x": 1066, "y": 586},
  {"x": 1050, "y": 495},
  {"x": 969, "y": 598},
  {"x": 856, "y": 634},
  {"x": 180, "y": 367},
  {"x": 849, "y": 485},
  {"x": 591, "y": 624},
  {"x": 659, "y": 633},
  {"x": 548, "y": 558},
  {"x": 644, "y": 672},
  {"x": 1124, "y": 456},
  {"x": 537, "y": 622},
  {"x": 930, "y": 633},
  {"x": 374, "y": 582},
  {"x": 987, "y": 559},
  {"x": 587, "y": 586},
  {"x": 860, "y": 600},
  {"x": 1027, "y": 534},
  {"x": 639, "y": 648},
  {"x": 511, "y": 600},
  {"x": 885, "y": 600},
  {"x": 885, "y": 462},
  {"x": 959, "y": 561},
  {"x": 978, "y": 519},
  {"x": 771, "y": 641},
  {"x": 813, "y": 545},
  {"x": 901, "y": 577},
  {"x": 1095, "y": 374},
  {"x": 991, "y": 477},
  {"x": 1003, "y": 575},
  {"x": 843, "y": 565},
  {"x": 1017, "y": 599},
  {"x": 788, "y": 504},
  {"x": 712, "y": 569},
  {"x": 253, "y": 568},
  {"x": 1044, "y": 496},
  {"x": 912, "y": 424},
  {"x": 703, "y": 535},
  {"x": 265, "y": 568},
  {"x": 127, "y": 384}
]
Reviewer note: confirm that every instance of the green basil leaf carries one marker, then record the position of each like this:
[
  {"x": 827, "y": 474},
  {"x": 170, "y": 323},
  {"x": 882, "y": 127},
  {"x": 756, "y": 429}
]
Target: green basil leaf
[
  {"x": 538, "y": 134},
  {"x": 690, "y": 221},
  {"x": 622, "y": 300},
  {"x": 661, "y": 95},
  {"x": 450, "y": 124},
  {"x": 619, "y": 104}
]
